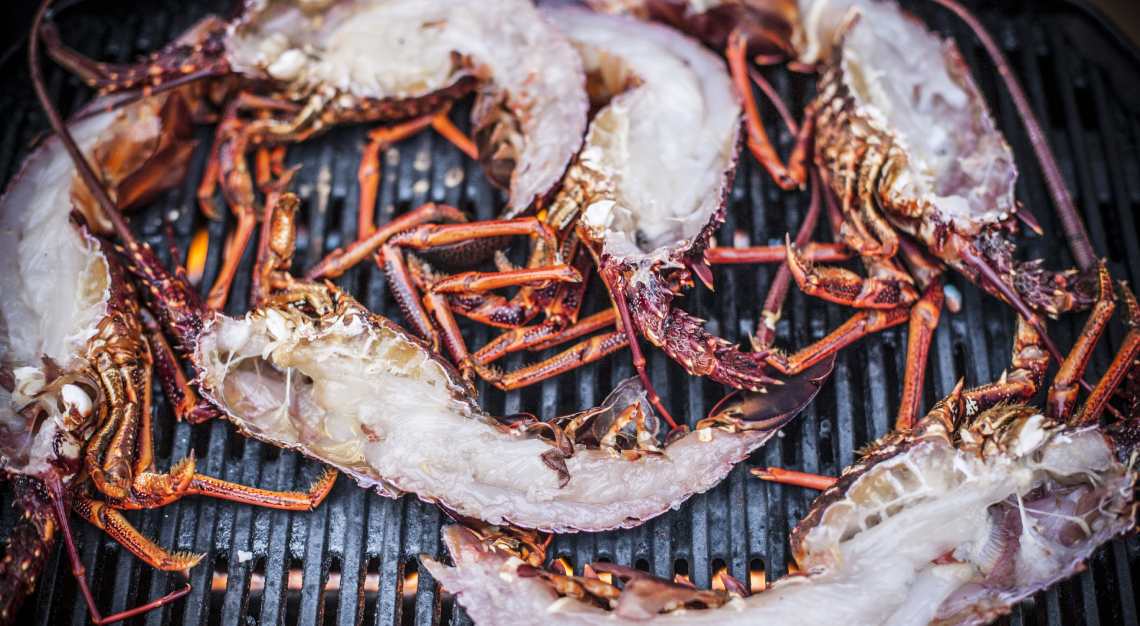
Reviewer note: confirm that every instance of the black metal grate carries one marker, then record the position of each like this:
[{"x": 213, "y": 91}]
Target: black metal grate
[{"x": 353, "y": 560}]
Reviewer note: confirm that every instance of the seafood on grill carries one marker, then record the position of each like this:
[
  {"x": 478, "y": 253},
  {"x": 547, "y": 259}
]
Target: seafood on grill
[
  {"x": 314, "y": 371},
  {"x": 76, "y": 364},
  {"x": 917, "y": 161},
  {"x": 291, "y": 69},
  {"x": 66, "y": 313},
  {"x": 903, "y": 139},
  {"x": 983, "y": 503},
  {"x": 647, "y": 203}
]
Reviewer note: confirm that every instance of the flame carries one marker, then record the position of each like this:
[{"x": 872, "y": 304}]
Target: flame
[
  {"x": 606, "y": 577},
  {"x": 563, "y": 564},
  {"x": 219, "y": 581},
  {"x": 682, "y": 579},
  {"x": 196, "y": 255},
  {"x": 411, "y": 583},
  {"x": 757, "y": 579},
  {"x": 718, "y": 579}
]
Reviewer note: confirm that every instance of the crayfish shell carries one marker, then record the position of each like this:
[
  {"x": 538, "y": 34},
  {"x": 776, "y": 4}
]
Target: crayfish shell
[
  {"x": 938, "y": 530},
  {"x": 946, "y": 165},
  {"x": 355, "y": 391},
  {"x": 57, "y": 280},
  {"x": 906, "y": 140},
  {"x": 646, "y": 195},
  {"x": 411, "y": 57}
]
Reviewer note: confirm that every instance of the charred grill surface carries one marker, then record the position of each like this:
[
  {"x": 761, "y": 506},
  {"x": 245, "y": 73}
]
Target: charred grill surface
[{"x": 361, "y": 548}]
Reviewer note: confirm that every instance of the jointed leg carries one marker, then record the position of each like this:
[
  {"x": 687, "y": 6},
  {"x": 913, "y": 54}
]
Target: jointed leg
[
  {"x": 437, "y": 307},
  {"x": 923, "y": 321},
  {"x": 112, "y": 522},
  {"x": 1021, "y": 382},
  {"x": 811, "y": 251},
  {"x": 407, "y": 278},
  {"x": 441, "y": 123},
  {"x": 794, "y": 478},
  {"x": 778, "y": 290},
  {"x": 341, "y": 260},
  {"x": 576, "y": 356},
  {"x": 276, "y": 244},
  {"x": 597, "y": 321},
  {"x": 208, "y": 186},
  {"x": 559, "y": 302},
  {"x": 887, "y": 286},
  {"x": 368, "y": 175},
  {"x": 541, "y": 336},
  {"x": 495, "y": 310},
  {"x": 237, "y": 187},
  {"x": 403, "y": 286},
  {"x": 794, "y": 174},
  {"x": 468, "y": 282},
  {"x": 922, "y": 268},
  {"x": 80, "y": 573},
  {"x": 860, "y": 325},
  {"x": 435, "y": 235},
  {"x": 1065, "y": 388},
  {"x": 281, "y": 500},
  {"x": 1125, "y": 362}
]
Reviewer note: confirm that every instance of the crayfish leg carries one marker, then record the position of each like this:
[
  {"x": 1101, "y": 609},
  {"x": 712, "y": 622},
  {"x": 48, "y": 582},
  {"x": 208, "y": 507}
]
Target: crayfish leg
[
  {"x": 924, "y": 317},
  {"x": 1062, "y": 398}
]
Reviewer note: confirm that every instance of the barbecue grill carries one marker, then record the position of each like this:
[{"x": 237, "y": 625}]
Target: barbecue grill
[{"x": 354, "y": 559}]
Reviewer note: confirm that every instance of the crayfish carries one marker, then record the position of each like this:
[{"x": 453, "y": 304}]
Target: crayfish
[
  {"x": 901, "y": 145},
  {"x": 283, "y": 71},
  {"x": 985, "y": 501}
]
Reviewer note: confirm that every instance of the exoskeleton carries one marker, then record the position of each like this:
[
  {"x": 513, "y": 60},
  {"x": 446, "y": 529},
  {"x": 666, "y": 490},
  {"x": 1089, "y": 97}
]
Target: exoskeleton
[
  {"x": 286, "y": 70},
  {"x": 915, "y": 173},
  {"x": 77, "y": 362},
  {"x": 986, "y": 501}
]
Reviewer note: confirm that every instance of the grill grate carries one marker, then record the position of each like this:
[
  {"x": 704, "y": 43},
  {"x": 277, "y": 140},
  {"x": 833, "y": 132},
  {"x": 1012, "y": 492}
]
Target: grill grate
[{"x": 353, "y": 560}]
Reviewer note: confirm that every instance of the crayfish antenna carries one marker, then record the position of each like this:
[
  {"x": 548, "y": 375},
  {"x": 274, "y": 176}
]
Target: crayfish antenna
[{"x": 175, "y": 302}]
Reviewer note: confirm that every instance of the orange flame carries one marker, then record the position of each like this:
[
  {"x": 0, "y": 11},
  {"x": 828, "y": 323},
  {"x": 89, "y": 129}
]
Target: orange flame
[
  {"x": 718, "y": 579},
  {"x": 563, "y": 564},
  {"x": 196, "y": 255},
  {"x": 411, "y": 583},
  {"x": 757, "y": 579}
]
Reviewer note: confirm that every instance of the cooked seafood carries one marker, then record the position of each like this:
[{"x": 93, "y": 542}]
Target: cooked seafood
[
  {"x": 67, "y": 313},
  {"x": 765, "y": 29},
  {"x": 313, "y": 65},
  {"x": 922, "y": 160},
  {"x": 316, "y": 372},
  {"x": 982, "y": 504},
  {"x": 648, "y": 202},
  {"x": 903, "y": 138}
]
